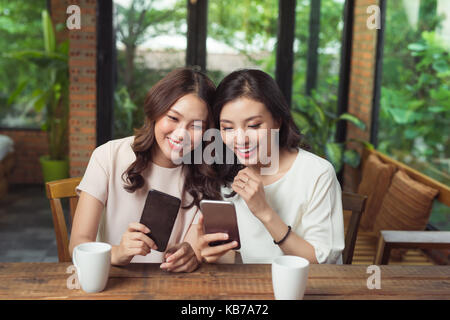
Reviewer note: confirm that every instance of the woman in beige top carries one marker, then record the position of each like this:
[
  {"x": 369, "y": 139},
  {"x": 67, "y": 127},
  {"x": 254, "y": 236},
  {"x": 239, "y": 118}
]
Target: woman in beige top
[{"x": 121, "y": 172}]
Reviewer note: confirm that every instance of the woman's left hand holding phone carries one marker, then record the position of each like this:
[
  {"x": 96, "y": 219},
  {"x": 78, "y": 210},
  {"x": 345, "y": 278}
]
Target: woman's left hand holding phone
[{"x": 134, "y": 242}]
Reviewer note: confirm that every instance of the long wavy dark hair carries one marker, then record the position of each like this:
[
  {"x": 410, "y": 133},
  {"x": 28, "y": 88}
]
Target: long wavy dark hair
[
  {"x": 259, "y": 86},
  {"x": 199, "y": 180}
]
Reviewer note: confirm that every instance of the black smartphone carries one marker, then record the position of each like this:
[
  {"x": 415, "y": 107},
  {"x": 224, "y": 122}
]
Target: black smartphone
[
  {"x": 159, "y": 214},
  {"x": 220, "y": 216}
]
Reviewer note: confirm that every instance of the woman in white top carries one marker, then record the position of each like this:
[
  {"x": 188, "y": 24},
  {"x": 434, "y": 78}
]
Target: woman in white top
[
  {"x": 288, "y": 200},
  {"x": 120, "y": 173}
]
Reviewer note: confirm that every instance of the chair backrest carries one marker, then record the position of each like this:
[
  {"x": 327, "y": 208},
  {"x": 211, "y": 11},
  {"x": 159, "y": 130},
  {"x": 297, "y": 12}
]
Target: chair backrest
[
  {"x": 444, "y": 190},
  {"x": 355, "y": 203},
  {"x": 57, "y": 190}
]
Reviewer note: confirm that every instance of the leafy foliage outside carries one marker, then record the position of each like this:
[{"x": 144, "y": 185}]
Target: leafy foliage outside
[
  {"x": 135, "y": 23},
  {"x": 20, "y": 29},
  {"x": 50, "y": 98},
  {"x": 252, "y": 25},
  {"x": 415, "y": 101}
]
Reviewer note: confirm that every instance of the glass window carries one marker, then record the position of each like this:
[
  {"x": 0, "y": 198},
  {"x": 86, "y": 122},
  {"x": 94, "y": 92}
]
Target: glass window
[
  {"x": 20, "y": 79},
  {"x": 241, "y": 34},
  {"x": 150, "y": 42},
  {"x": 414, "y": 116},
  {"x": 314, "y": 114}
]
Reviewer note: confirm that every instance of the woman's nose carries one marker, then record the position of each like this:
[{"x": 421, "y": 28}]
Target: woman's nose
[
  {"x": 180, "y": 133},
  {"x": 241, "y": 137}
]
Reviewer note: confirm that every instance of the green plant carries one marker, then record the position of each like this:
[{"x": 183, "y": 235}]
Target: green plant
[
  {"x": 139, "y": 21},
  {"x": 418, "y": 112},
  {"x": 123, "y": 113},
  {"x": 52, "y": 97},
  {"x": 318, "y": 124},
  {"x": 20, "y": 27}
]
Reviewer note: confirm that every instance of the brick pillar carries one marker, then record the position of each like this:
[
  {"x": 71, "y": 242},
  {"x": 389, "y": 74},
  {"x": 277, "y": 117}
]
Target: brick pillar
[
  {"x": 83, "y": 106},
  {"x": 362, "y": 79},
  {"x": 82, "y": 70},
  {"x": 58, "y": 12}
]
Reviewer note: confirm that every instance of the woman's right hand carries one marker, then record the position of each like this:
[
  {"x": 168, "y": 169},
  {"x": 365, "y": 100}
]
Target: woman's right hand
[
  {"x": 212, "y": 254},
  {"x": 134, "y": 242}
]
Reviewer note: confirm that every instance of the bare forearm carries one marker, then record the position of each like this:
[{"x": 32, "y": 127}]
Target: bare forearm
[
  {"x": 293, "y": 244},
  {"x": 86, "y": 220},
  {"x": 76, "y": 240}
]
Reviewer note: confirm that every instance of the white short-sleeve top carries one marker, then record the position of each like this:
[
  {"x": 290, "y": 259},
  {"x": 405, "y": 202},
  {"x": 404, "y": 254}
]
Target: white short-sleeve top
[
  {"x": 308, "y": 198},
  {"x": 103, "y": 180}
]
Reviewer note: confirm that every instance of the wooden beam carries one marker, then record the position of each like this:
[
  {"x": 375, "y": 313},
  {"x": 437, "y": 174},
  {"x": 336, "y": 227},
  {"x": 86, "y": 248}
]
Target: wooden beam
[
  {"x": 196, "y": 33},
  {"x": 313, "y": 46},
  {"x": 345, "y": 68},
  {"x": 344, "y": 74},
  {"x": 378, "y": 76},
  {"x": 285, "y": 50},
  {"x": 106, "y": 61}
]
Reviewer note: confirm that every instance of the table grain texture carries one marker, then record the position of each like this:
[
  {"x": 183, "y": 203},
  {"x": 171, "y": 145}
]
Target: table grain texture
[{"x": 222, "y": 281}]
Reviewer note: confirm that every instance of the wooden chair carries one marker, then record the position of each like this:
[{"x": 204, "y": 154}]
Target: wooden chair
[
  {"x": 57, "y": 190},
  {"x": 355, "y": 203},
  {"x": 394, "y": 239}
]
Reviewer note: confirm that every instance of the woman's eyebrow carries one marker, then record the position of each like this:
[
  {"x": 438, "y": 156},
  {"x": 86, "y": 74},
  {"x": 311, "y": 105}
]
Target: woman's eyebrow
[
  {"x": 246, "y": 120},
  {"x": 252, "y": 118},
  {"x": 175, "y": 111}
]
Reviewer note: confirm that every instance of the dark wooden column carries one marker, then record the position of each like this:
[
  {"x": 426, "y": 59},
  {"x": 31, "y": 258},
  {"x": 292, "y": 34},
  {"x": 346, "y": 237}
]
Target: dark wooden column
[
  {"x": 378, "y": 76},
  {"x": 196, "y": 33},
  {"x": 344, "y": 73},
  {"x": 285, "y": 50},
  {"x": 105, "y": 71},
  {"x": 313, "y": 45},
  {"x": 345, "y": 68}
]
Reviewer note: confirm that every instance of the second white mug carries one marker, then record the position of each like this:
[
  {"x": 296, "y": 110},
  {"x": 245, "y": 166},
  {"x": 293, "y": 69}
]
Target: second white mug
[{"x": 289, "y": 277}]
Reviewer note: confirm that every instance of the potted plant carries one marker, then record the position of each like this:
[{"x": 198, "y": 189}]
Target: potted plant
[
  {"x": 318, "y": 125},
  {"x": 52, "y": 98}
]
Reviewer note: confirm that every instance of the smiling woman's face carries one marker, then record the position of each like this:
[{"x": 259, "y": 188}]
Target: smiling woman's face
[
  {"x": 245, "y": 127},
  {"x": 179, "y": 130}
]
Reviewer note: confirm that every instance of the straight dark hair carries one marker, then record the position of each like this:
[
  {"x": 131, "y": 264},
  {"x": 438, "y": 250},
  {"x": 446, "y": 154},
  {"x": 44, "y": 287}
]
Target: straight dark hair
[
  {"x": 199, "y": 179},
  {"x": 259, "y": 86}
]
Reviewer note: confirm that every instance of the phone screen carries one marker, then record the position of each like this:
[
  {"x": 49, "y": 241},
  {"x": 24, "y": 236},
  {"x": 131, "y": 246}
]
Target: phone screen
[{"x": 220, "y": 217}]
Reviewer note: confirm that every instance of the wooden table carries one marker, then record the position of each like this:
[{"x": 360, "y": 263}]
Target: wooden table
[{"x": 147, "y": 281}]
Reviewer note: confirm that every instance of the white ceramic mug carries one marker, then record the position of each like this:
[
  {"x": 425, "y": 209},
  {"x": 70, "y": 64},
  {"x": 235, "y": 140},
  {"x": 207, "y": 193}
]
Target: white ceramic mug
[
  {"x": 92, "y": 261},
  {"x": 289, "y": 277}
]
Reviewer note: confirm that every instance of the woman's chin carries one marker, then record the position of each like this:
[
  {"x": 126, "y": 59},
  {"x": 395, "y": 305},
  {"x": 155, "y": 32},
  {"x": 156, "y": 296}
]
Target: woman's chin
[
  {"x": 176, "y": 154},
  {"x": 248, "y": 160}
]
